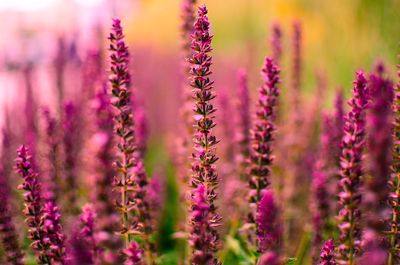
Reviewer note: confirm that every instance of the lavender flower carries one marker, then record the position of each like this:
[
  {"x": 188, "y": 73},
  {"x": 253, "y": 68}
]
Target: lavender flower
[
  {"x": 379, "y": 143},
  {"x": 203, "y": 235},
  {"x": 33, "y": 207},
  {"x": 53, "y": 229},
  {"x": 350, "y": 197},
  {"x": 244, "y": 122},
  {"x": 269, "y": 232},
  {"x": 134, "y": 255},
  {"x": 394, "y": 183},
  {"x": 276, "y": 42},
  {"x": 188, "y": 19},
  {"x": 8, "y": 234},
  {"x": 262, "y": 135},
  {"x": 327, "y": 253},
  {"x": 124, "y": 124}
]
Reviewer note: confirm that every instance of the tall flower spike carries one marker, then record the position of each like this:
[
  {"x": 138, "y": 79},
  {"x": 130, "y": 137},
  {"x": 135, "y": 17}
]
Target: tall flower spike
[
  {"x": 379, "y": 142},
  {"x": 269, "y": 233},
  {"x": 87, "y": 232},
  {"x": 394, "y": 183},
  {"x": 351, "y": 161},
  {"x": 276, "y": 42},
  {"x": 244, "y": 122},
  {"x": 203, "y": 234},
  {"x": 327, "y": 253},
  {"x": 33, "y": 207},
  {"x": 134, "y": 255},
  {"x": 124, "y": 124},
  {"x": 262, "y": 136}
]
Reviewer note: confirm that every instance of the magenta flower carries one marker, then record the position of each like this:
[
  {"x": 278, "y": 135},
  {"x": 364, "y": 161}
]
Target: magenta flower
[
  {"x": 276, "y": 42},
  {"x": 33, "y": 207},
  {"x": 269, "y": 232},
  {"x": 53, "y": 229},
  {"x": 134, "y": 255},
  {"x": 350, "y": 197},
  {"x": 262, "y": 135},
  {"x": 203, "y": 234},
  {"x": 328, "y": 253},
  {"x": 296, "y": 73}
]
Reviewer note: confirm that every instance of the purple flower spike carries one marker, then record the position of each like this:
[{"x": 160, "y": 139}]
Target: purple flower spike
[
  {"x": 394, "y": 183},
  {"x": 276, "y": 42},
  {"x": 52, "y": 226},
  {"x": 244, "y": 122},
  {"x": 296, "y": 69},
  {"x": 33, "y": 207},
  {"x": 350, "y": 197},
  {"x": 262, "y": 135},
  {"x": 269, "y": 232},
  {"x": 327, "y": 253},
  {"x": 203, "y": 234},
  {"x": 124, "y": 124},
  {"x": 188, "y": 19},
  {"x": 134, "y": 255}
]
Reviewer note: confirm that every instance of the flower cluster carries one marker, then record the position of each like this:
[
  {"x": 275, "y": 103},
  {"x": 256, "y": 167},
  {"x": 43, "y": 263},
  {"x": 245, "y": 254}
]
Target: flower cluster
[
  {"x": 350, "y": 196},
  {"x": 328, "y": 253}
]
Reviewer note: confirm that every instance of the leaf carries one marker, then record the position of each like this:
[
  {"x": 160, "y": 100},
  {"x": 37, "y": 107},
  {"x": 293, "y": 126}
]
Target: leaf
[{"x": 291, "y": 261}]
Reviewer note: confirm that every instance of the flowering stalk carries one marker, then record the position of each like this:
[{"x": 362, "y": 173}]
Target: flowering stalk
[
  {"x": 33, "y": 207},
  {"x": 379, "y": 143},
  {"x": 262, "y": 136},
  {"x": 107, "y": 219},
  {"x": 244, "y": 122},
  {"x": 350, "y": 197},
  {"x": 124, "y": 124},
  {"x": 133, "y": 178},
  {"x": 204, "y": 219},
  {"x": 328, "y": 253},
  {"x": 269, "y": 232},
  {"x": 394, "y": 183},
  {"x": 276, "y": 42}
]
